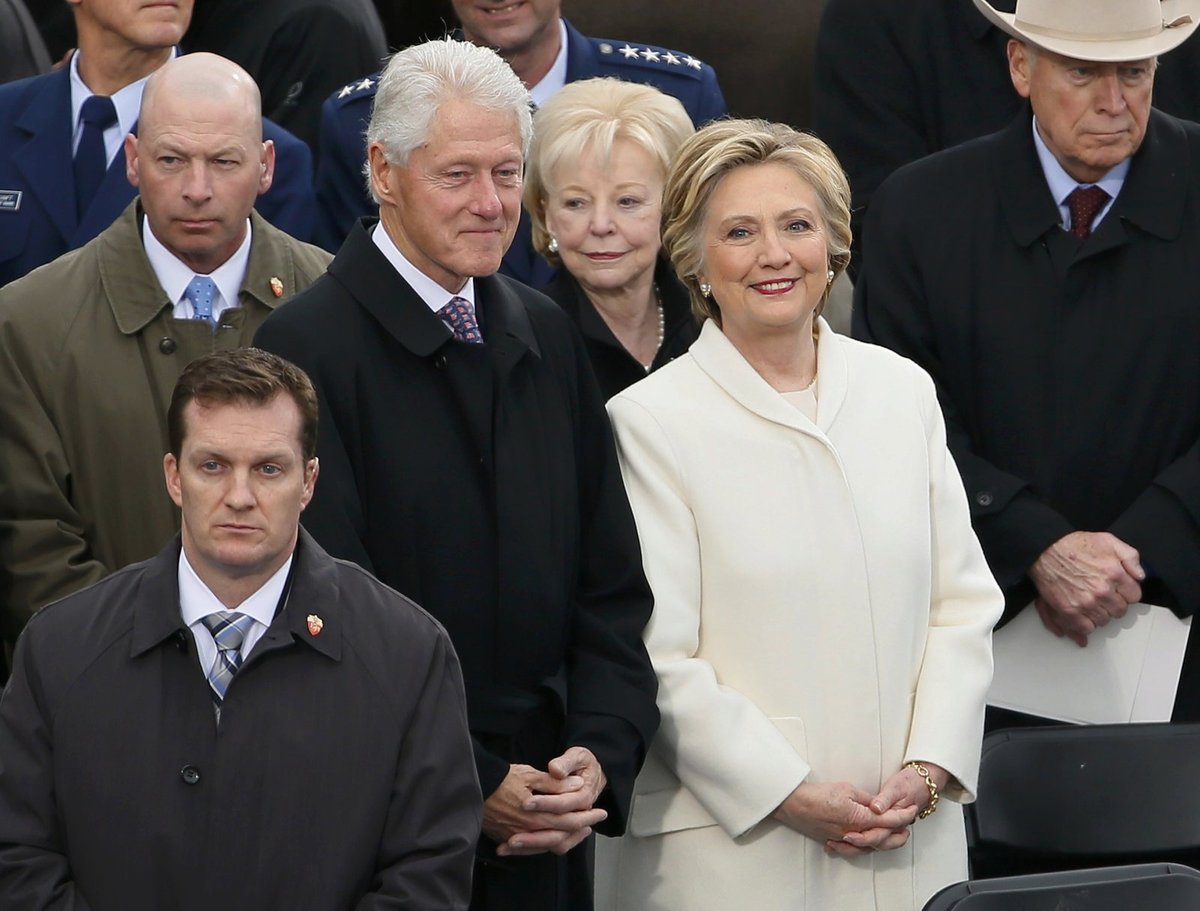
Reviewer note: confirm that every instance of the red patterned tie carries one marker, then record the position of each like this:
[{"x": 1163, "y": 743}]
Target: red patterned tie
[
  {"x": 459, "y": 317},
  {"x": 1084, "y": 203}
]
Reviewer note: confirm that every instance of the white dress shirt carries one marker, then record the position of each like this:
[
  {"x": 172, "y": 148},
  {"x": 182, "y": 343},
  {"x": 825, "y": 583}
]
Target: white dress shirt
[
  {"x": 434, "y": 295},
  {"x": 196, "y": 601},
  {"x": 174, "y": 275}
]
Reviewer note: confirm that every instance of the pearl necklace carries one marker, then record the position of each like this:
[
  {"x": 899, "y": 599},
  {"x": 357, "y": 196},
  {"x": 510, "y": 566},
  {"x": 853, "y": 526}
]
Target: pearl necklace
[{"x": 662, "y": 327}]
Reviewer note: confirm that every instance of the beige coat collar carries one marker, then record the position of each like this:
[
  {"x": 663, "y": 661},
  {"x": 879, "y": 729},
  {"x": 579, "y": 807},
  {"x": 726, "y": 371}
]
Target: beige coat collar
[{"x": 725, "y": 366}]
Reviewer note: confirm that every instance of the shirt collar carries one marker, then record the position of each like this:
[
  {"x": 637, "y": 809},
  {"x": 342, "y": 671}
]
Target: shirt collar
[
  {"x": 127, "y": 100},
  {"x": 196, "y": 600},
  {"x": 556, "y": 76},
  {"x": 174, "y": 275},
  {"x": 434, "y": 295},
  {"x": 1062, "y": 184}
]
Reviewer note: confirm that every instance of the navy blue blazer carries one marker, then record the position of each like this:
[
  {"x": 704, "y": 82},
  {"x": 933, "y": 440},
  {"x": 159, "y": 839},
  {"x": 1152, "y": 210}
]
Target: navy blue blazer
[
  {"x": 38, "y": 222},
  {"x": 341, "y": 189}
]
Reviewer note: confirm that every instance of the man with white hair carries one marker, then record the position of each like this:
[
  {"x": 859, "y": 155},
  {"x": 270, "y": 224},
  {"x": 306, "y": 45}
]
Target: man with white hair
[
  {"x": 467, "y": 461},
  {"x": 1045, "y": 276}
]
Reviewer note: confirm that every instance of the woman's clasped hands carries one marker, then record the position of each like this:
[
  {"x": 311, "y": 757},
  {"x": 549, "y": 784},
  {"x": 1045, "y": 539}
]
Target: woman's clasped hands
[{"x": 852, "y": 822}]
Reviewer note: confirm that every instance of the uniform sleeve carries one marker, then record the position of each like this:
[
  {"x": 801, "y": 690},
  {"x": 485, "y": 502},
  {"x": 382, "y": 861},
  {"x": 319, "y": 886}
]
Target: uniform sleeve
[
  {"x": 290, "y": 203},
  {"x": 427, "y": 851},
  {"x": 44, "y": 554},
  {"x": 611, "y": 684},
  {"x": 965, "y": 604},
  {"x": 722, "y": 747},
  {"x": 341, "y": 190},
  {"x": 34, "y": 872},
  {"x": 891, "y": 309}
]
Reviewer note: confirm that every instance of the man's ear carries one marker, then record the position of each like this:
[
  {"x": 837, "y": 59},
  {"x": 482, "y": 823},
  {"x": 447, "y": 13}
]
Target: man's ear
[
  {"x": 171, "y": 475},
  {"x": 131, "y": 158},
  {"x": 1020, "y": 66}
]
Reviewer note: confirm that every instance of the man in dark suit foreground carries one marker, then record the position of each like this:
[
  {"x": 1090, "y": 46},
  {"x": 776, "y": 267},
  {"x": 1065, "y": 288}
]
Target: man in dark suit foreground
[
  {"x": 1045, "y": 276},
  {"x": 467, "y": 461},
  {"x": 240, "y": 722}
]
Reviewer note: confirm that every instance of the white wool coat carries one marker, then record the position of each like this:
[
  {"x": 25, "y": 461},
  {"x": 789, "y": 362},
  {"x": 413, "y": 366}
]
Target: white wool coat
[{"x": 823, "y": 612}]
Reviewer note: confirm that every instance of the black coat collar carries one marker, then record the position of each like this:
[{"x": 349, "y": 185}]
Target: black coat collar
[{"x": 1152, "y": 198}]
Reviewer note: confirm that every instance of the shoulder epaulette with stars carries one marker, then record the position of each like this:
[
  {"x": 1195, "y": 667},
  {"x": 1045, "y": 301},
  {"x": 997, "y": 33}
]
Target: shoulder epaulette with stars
[
  {"x": 649, "y": 56},
  {"x": 359, "y": 88}
]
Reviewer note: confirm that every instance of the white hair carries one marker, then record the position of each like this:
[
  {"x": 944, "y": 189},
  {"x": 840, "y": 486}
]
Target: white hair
[{"x": 419, "y": 79}]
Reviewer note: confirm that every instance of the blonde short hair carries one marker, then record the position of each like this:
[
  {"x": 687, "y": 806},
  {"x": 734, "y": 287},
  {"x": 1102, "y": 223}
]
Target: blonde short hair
[
  {"x": 587, "y": 118},
  {"x": 723, "y": 146}
]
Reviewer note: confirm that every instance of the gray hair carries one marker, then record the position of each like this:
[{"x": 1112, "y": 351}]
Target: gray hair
[{"x": 419, "y": 79}]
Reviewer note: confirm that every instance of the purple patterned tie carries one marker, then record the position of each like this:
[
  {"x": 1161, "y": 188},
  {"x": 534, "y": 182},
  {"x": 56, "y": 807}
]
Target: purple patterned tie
[
  {"x": 459, "y": 317},
  {"x": 1083, "y": 204}
]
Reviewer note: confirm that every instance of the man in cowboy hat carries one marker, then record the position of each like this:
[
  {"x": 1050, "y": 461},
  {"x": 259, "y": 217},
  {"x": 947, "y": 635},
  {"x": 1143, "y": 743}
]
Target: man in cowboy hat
[{"x": 1044, "y": 275}]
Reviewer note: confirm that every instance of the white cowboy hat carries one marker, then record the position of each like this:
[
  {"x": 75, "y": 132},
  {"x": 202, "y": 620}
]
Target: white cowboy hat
[{"x": 1099, "y": 31}]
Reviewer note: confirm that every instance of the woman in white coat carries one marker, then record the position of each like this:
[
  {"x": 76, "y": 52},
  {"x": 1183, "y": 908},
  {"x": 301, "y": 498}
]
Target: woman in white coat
[{"x": 823, "y": 612}]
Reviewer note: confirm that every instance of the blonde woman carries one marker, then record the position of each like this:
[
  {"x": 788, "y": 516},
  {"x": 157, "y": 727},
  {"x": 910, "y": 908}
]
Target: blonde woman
[
  {"x": 823, "y": 612},
  {"x": 593, "y": 188}
]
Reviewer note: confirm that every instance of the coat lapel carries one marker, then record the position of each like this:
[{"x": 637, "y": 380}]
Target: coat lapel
[
  {"x": 44, "y": 158},
  {"x": 725, "y": 366}
]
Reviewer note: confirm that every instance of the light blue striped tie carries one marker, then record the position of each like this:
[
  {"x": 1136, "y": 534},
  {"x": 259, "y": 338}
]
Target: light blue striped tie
[
  {"x": 228, "y": 630},
  {"x": 202, "y": 291}
]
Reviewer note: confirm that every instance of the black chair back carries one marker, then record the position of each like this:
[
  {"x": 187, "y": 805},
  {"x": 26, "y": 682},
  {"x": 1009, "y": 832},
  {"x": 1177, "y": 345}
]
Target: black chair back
[
  {"x": 1086, "y": 796},
  {"x": 1145, "y": 887}
]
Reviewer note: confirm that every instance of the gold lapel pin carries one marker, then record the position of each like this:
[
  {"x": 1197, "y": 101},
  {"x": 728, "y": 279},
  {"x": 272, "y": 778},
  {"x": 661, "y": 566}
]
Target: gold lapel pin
[
  {"x": 277, "y": 290},
  {"x": 315, "y": 625}
]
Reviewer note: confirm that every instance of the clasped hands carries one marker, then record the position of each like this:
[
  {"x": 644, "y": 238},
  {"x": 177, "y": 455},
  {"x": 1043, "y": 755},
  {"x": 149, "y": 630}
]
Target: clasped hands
[
  {"x": 1084, "y": 580},
  {"x": 533, "y": 812},
  {"x": 852, "y": 822}
]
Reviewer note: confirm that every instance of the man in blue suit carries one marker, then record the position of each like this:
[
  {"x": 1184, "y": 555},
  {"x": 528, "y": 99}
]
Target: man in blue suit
[
  {"x": 546, "y": 52},
  {"x": 51, "y": 201}
]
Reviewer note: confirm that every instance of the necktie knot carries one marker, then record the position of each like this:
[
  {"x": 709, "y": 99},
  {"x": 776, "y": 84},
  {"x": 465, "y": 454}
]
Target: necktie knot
[
  {"x": 1083, "y": 203},
  {"x": 228, "y": 629},
  {"x": 201, "y": 292},
  {"x": 99, "y": 111},
  {"x": 459, "y": 317}
]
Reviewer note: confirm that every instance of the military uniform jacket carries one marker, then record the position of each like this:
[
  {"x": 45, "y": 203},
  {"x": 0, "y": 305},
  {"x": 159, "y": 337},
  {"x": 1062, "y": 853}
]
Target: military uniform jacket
[
  {"x": 1067, "y": 369},
  {"x": 89, "y": 355},
  {"x": 340, "y": 776},
  {"x": 342, "y": 195},
  {"x": 481, "y": 481},
  {"x": 37, "y": 184}
]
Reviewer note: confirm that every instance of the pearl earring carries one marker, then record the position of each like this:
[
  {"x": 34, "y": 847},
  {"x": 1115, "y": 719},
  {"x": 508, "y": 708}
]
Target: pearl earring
[
  {"x": 553, "y": 245},
  {"x": 829, "y": 277},
  {"x": 705, "y": 289}
]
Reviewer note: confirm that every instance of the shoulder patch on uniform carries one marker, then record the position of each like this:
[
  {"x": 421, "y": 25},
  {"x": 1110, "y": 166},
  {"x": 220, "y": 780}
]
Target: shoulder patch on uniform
[
  {"x": 359, "y": 88},
  {"x": 649, "y": 56}
]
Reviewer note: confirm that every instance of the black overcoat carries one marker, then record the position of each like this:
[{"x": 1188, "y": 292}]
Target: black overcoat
[
  {"x": 340, "y": 776},
  {"x": 1067, "y": 370},
  {"x": 482, "y": 481}
]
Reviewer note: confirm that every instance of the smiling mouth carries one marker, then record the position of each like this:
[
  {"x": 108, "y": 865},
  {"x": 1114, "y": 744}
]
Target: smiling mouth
[
  {"x": 502, "y": 10},
  {"x": 604, "y": 256},
  {"x": 778, "y": 286}
]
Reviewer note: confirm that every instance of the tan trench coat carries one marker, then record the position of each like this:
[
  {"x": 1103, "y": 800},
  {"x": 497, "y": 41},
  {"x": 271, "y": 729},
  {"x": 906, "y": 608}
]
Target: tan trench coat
[{"x": 89, "y": 355}]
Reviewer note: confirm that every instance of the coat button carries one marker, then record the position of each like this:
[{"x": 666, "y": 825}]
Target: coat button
[
  {"x": 167, "y": 346},
  {"x": 983, "y": 498},
  {"x": 190, "y": 774},
  {"x": 440, "y": 362}
]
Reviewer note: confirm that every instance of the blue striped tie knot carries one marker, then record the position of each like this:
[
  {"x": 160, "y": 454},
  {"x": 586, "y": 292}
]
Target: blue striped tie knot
[{"x": 228, "y": 630}]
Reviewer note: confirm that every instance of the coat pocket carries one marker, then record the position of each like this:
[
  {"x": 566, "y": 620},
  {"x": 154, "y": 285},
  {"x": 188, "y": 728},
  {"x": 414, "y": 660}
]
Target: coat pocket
[{"x": 673, "y": 808}]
